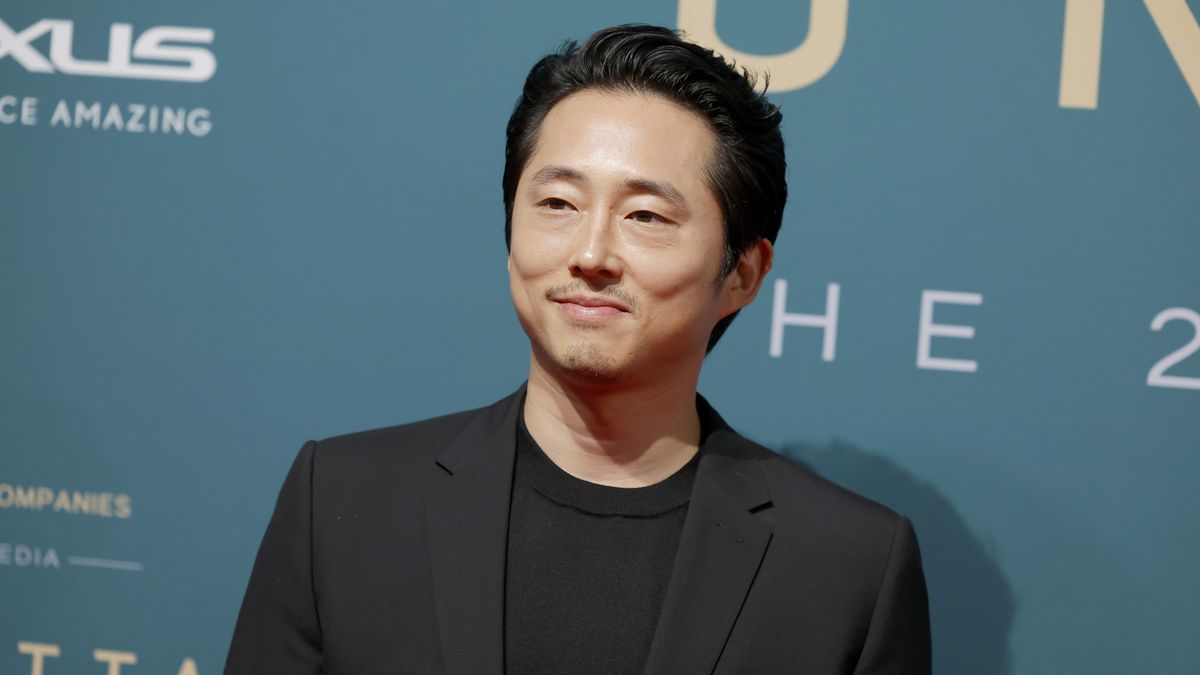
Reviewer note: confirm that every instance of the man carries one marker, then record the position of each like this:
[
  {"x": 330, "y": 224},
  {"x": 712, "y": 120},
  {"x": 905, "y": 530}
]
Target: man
[{"x": 603, "y": 518}]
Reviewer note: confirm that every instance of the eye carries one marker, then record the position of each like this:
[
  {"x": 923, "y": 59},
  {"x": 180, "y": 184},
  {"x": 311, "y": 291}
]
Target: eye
[
  {"x": 554, "y": 204},
  {"x": 647, "y": 217}
]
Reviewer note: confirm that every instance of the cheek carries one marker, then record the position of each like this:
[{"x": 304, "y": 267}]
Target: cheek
[
  {"x": 534, "y": 251},
  {"x": 685, "y": 274},
  {"x": 518, "y": 280},
  {"x": 521, "y": 291},
  {"x": 530, "y": 269},
  {"x": 527, "y": 273},
  {"x": 681, "y": 293}
]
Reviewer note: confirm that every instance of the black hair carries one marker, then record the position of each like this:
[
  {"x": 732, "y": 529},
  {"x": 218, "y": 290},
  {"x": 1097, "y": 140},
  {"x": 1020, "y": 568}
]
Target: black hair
[{"x": 747, "y": 172}]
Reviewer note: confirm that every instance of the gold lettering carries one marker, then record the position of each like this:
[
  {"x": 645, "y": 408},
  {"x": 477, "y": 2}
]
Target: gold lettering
[
  {"x": 104, "y": 504},
  {"x": 27, "y": 498},
  {"x": 1079, "y": 77},
  {"x": 18, "y": 496},
  {"x": 806, "y": 63},
  {"x": 188, "y": 667},
  {"x": 38, "y": 651},
  {"x": 115, "y": 659},
  {"x": 1181, "y": 32},
  {"x": 1083, "y": 33}
]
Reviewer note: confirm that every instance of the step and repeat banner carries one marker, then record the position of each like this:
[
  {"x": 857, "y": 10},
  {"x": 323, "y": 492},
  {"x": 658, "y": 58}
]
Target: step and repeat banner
[{"x": 227, "y": 228}]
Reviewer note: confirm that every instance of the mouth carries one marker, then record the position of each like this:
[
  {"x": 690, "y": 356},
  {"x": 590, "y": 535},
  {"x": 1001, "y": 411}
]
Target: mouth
[{"x": 591, "y": 308}]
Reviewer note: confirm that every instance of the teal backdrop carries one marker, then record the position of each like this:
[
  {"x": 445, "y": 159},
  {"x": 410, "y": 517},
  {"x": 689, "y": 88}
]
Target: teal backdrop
[{"x": 291, "y": 227}]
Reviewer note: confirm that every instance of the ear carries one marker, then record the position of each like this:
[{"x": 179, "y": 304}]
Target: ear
[{"x": 741, "y": 286}]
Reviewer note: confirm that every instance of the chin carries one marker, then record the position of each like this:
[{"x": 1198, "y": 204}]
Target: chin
[{"x": 588, "y": 361}]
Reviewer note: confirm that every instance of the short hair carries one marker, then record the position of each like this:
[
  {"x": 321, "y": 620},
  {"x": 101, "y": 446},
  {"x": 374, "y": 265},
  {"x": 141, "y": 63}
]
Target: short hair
[{"x": 747, "y": 172}]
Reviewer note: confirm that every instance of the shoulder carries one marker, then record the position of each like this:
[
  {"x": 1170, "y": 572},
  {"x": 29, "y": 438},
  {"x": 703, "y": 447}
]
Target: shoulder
[
  {"x": 399, "y": 446},
  {"x": 796, "y": 486},
  {"x": 824, "y": 532},
  {"x": 846, "y": 565},
  {"x": 415, "y": 437},
  {"x": 797, "y": 496},
  {"x": 808, "y": 504}
]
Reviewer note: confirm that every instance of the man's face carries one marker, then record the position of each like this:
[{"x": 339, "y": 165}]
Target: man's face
[{"x": 617, "y": 241}]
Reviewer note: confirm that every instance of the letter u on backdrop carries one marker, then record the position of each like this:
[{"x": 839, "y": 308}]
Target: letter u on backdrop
[{"x": 806, "y": 63}]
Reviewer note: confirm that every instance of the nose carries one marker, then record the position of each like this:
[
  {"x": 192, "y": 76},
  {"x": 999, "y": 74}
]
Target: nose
[{"x": 595, "y": 249}]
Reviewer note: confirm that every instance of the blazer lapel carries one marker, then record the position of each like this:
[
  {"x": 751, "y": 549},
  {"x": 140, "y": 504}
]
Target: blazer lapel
[
  {"x": 719, "y": 553},
  {"x": 468, "y": 527}
]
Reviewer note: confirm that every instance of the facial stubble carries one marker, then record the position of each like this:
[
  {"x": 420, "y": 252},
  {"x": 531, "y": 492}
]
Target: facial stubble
[{"x": 586, "y": 358}]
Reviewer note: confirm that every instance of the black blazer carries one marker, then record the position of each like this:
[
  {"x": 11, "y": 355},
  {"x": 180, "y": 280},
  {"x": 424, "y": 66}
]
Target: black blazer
[{"x": 386, "y": 554}]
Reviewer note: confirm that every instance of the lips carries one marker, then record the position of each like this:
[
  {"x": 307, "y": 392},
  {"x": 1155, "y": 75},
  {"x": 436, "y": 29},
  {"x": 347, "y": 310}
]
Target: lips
[
  {"x": 590, "y": 309},
  {"x": 592, "y": 302}
]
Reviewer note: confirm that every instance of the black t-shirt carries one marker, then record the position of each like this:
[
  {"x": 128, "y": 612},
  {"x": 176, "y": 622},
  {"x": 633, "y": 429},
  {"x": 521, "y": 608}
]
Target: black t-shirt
[{"x": 587, "y": 566}]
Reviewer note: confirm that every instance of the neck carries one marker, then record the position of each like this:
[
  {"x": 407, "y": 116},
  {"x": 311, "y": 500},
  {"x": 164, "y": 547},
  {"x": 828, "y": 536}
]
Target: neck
[{"x": 620, "y": 435}]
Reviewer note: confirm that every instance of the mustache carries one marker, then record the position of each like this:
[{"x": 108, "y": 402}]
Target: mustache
[{"x": 565, "y": 290}]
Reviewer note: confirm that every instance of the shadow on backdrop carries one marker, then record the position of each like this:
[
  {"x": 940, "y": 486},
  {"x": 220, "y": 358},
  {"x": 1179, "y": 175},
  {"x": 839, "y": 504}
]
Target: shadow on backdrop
[{"x": 971, "y": 604}]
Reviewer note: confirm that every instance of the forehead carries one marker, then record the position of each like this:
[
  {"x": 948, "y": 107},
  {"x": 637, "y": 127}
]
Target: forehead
[{"x": 620, "y": 135}]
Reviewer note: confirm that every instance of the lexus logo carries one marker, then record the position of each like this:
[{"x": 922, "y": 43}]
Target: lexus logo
[{"x": 172, "y": 48}]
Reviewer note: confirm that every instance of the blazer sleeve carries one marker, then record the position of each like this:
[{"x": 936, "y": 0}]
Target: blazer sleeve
[
  {"x": 898, "y": 640},
  {"x": 278, "y": 629}
]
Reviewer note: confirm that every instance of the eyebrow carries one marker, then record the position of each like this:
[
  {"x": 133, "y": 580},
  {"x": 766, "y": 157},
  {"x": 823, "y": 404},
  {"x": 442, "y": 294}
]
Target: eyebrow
[
  {"x": 660, "y": 188},
  {"x": 549, "y": 174}
]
